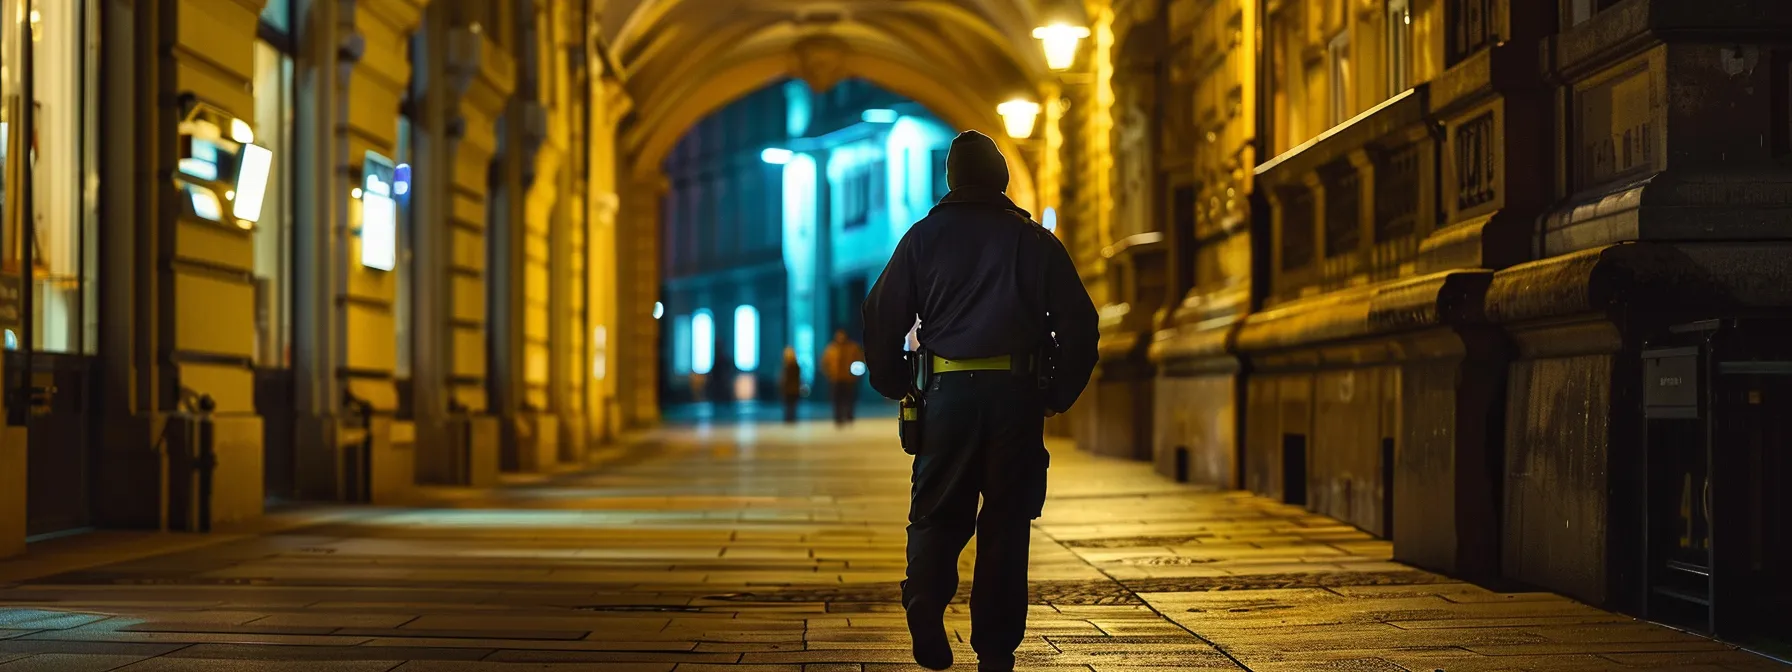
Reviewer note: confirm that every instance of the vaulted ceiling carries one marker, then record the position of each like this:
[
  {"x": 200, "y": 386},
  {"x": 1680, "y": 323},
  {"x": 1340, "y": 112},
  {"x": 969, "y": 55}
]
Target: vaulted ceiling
[{"x": 683, "y": 59}]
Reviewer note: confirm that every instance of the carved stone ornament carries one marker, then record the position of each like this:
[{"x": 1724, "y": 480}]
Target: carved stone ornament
[{"x": 820, "y": 61}]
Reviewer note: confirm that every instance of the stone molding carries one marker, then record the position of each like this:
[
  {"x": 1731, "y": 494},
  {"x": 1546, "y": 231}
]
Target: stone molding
[
  {"x": 1448, "y": 298},
  {"x": 1706, "y": 276}
]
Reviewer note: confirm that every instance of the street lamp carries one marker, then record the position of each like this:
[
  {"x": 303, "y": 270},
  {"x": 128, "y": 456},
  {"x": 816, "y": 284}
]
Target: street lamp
[
  {"x": 1018, "y": 117},
  {"x": 776, "y": 156},
  {"x": 1060, "y": 41}
]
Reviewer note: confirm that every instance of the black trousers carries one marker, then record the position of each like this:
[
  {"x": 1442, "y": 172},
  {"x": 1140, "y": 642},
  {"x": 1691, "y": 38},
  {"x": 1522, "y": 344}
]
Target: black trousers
[
  {"x": 846, "y": 394},
  {"x": 982, "y": 434},
  {"x": 790, "y": 407}
]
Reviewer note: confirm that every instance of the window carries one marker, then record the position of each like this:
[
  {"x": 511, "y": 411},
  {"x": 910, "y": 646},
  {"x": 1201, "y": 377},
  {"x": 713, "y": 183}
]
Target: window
[
  {"x": 862, "y": 192},
  {"x": 1399, "y": 45},
  {"x": 1471, "y": 28},
  {"x": 746, "y": 338},
  {"x": 1338, "y": 54},
  {"x": 703, "y": 342},
  {"x": 681, "y": 345},
  {"x": 273, "y": 265},
  {"x": 1579, "y": 11},
  {"x": 54, "y": 154}
]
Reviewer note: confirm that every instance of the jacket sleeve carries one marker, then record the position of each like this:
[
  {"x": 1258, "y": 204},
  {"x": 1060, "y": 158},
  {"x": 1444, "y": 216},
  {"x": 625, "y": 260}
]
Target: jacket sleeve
[
  {"x": 890, "y": 310},
  {"x": 1074, "y": 324}
]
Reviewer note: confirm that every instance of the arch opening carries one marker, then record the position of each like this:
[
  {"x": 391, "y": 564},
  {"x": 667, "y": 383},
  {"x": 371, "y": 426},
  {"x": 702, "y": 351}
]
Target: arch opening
[{"x": 785, "y": 205}]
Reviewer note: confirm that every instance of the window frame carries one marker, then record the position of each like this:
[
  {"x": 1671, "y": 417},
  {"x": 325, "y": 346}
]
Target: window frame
[
  {"x": 1399, "y": 46},
  {"x": 1337, "y": 57},
  {"x": 284, "y": 43}
]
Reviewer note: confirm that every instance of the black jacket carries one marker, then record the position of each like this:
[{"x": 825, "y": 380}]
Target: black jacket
[{"x": 971, "y": 270}]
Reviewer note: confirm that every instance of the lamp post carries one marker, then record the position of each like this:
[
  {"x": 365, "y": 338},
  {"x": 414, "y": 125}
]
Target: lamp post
[
  {"x": 1060, "y": 42},
  {"x": 1019, "y": 117}
]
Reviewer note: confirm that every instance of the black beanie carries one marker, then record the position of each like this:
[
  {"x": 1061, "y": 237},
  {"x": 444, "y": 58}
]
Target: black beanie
[{"x": 974, "y": 160}]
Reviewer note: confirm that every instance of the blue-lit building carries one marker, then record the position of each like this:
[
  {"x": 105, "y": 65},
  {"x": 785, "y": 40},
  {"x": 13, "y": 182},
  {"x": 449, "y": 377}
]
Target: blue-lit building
[{"x": 783, "y": 208}]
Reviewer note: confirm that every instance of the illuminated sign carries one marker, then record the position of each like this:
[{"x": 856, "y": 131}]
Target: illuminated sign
[
  {"x": 379, "y": 214},
  {"x": 252, "y": 182}
]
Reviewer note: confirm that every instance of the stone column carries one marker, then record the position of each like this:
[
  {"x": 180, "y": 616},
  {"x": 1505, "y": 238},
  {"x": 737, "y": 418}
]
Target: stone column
[
  {"x": 352, "y": 81},
  {"x": 607, "y": 105},
  {"x": 469, "y": 80},
  {"x": 637, "y": 289},
  {"x": 179, "y": 297},
  {"x": 568, "y": 348},
  {"x": 377, "y": 91}
]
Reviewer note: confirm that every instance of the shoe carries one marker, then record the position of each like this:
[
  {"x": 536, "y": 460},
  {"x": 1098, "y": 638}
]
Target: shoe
[{"x": 927, "y": 628}]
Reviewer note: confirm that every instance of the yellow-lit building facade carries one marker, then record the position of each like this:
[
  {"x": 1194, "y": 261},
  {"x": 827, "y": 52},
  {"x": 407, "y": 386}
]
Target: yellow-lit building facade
[
  {"x": 1446, "y": 271},
  {"x": 352, "y": 247}
]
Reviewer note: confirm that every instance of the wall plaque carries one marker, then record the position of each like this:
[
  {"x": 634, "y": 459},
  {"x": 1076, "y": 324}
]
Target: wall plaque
[{"x": 1620, "y": 123}]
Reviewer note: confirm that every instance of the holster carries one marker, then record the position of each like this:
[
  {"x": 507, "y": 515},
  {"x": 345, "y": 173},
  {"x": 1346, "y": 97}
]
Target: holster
[{"x": 910, "y": 413}]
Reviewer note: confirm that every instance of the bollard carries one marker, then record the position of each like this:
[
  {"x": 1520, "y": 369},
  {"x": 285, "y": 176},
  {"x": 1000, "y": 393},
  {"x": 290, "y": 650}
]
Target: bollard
[{"x": 208, "y": 460}]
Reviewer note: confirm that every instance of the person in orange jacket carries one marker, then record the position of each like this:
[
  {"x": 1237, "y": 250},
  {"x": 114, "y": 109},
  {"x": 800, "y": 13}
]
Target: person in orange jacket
[{"x": 837, "y": 362}]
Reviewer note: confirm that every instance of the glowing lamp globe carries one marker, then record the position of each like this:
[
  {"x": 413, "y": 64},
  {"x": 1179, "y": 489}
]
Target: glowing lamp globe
[
  {"x": 1060, "y": 43},
  {"x": 1018, "y": 116}
]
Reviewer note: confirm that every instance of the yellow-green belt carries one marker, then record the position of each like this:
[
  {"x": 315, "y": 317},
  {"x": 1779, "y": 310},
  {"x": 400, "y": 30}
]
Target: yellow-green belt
[{"x": 943, "y": 365}]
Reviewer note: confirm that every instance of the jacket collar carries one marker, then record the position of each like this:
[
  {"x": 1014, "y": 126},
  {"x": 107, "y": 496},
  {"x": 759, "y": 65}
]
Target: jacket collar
[{"x": 984, "y": 196}]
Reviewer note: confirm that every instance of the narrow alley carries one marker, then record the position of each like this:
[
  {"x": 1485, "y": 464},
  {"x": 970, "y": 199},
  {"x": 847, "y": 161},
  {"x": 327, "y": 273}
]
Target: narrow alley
[{"x": 777, "y": 548}]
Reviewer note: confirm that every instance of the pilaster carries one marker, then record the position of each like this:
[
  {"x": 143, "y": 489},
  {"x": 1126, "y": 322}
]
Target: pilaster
[
  {"x": 461, "y": 92},
  {"x": 638, "y": 257},
  {"x": 346, "y": 334},
  {"x": 183, "y": 295}
]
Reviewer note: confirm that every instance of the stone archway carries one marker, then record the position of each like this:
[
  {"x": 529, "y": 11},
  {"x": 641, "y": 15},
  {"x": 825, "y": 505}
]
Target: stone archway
[{"x": 954, "y": 58}]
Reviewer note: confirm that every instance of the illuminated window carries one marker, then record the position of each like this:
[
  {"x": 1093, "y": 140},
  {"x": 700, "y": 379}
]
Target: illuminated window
[
  {"x": 703, "y": 342},
  {"x": 1338, "y": 53},
  {"x": 862, "y": 192},
  {"x": 1399, "y": 45},
  {"x": 746, "y": 338},
  {"x": 799, "y": 108},
  {"x": 681, "y": 345}
]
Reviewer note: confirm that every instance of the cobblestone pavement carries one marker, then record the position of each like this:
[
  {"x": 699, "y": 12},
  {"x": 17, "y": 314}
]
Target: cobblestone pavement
[{"x": 777, "y": 548}]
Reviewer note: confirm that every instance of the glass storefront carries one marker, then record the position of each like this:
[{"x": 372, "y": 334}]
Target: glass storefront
[{"x": 49, "y": 149}]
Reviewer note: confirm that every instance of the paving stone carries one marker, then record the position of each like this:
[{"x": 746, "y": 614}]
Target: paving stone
[
  {"x": 489, "y": 666},
  {"x": 41, "y": 619},
  {"x": 70, "y": 662},
  {"x": 444, "y": 633},
  {"x": 780, "y": 549},
  {"x": 541, "y": 656},
  {"x": 325, "y": 653},
  {"x": 191, "y": 665},
  {"x": 37, "y": 646}
]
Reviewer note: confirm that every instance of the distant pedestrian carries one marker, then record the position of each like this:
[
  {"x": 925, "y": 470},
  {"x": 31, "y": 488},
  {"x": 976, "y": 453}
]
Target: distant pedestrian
[
  {"x": 699, "y": 385},
  {"x": 839, "y": 362},
  {"x": 792, "y": 384}
]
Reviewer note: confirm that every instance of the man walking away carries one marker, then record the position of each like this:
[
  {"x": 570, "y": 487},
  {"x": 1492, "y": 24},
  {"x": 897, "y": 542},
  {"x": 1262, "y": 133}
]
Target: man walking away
[
  {"x": 791, "y": 384},
  {"x": 1007, "y": 338},
  {"x": 837, "y": 362}
]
